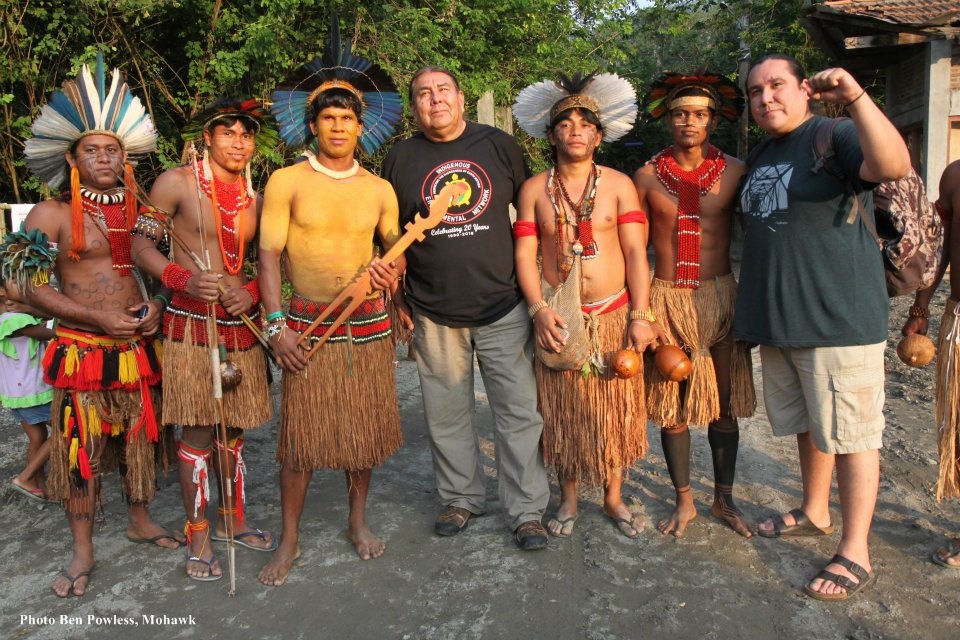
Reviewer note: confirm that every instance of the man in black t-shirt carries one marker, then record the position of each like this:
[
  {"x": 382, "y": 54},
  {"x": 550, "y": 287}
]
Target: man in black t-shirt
[{"x": 461, "y": 298}]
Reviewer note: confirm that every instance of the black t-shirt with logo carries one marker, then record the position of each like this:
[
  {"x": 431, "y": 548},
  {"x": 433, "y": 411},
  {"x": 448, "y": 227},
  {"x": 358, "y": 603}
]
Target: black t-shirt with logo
[{"x": 462, "y": 274}]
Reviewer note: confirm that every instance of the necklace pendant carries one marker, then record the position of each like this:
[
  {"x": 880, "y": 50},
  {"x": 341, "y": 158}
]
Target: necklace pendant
[{"x": 577, "y": 248}]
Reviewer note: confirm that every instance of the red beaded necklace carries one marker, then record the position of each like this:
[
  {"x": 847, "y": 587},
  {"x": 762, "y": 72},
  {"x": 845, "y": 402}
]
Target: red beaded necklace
[
  {"x": 112, "y": 215},
  {"x": 230, "y": 231},
  {"x": 688, "y": 187}
]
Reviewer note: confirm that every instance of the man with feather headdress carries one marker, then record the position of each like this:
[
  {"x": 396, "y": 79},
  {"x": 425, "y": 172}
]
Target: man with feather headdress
[
  {"x": 215, "y": 211},
  {"x": 102, "y": 362},
  {"x": 324, "y": 214},
  {"x": 688, "y": 189},
  {"x": 592, "y": 237}
]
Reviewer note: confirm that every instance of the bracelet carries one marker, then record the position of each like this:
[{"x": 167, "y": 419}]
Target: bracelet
[
  {"x": 276, "y": 315},
  {"x": 537, "y": 307},
  {"x": 274, "y": 330},
  {"x": 175, "y": 277},
  {"x": 916, "y": 311},
  {"x": 162, "y": 298},
  {"x": 637, "y": 314},
  {"x": 643, "y": 322},
  {"x": 855, "y": 99}
]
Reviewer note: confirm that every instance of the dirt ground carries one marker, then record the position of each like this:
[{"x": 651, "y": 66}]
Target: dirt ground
[{"x": 711, "y": 583}]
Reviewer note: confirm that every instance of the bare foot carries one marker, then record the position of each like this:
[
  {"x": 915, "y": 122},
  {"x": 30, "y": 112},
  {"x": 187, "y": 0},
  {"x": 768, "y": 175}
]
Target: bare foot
[
  {"x": 725, "y": 509},
  {"x": 75, "y": 578},
  {"x": 275, "y": 572},
  {"x": 676, "y": 523},
  {"x": 368, "y": 546}
]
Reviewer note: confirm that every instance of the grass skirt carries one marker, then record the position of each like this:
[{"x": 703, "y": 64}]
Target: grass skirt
[
  {"x": 134, "y": 455},
  {"x": 698, "y": 319},
  {"x": 593, "y": 427},
  {"x": 341, "y": 411},
  {"x": 187, "y": 393},
  {"x": 948, "y": 402}
]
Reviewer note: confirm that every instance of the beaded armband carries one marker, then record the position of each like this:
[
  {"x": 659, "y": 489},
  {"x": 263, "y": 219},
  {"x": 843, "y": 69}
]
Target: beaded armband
[
  {"x": 149, "y": 228},
  {"x": 175, "y": 277},
  {"x": 253, "y": 288}
]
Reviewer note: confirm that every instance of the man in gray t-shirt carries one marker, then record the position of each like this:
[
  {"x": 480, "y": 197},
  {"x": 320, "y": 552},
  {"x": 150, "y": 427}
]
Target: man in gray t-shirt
[{"x": 812, "y": 295}]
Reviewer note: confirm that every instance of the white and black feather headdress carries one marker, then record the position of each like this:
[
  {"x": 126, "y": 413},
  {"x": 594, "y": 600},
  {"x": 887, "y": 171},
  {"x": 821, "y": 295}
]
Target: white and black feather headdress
[{"x": 612, "y": 98}]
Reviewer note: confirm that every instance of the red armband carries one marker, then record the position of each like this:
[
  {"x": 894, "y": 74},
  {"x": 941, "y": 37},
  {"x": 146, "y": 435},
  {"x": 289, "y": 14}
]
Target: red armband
[
  {"x": 175, "y": 277},
  {"x": 524, "y": 228},
  {"x": 632, "y": 216},
  {"x": 253, "y": 288}
]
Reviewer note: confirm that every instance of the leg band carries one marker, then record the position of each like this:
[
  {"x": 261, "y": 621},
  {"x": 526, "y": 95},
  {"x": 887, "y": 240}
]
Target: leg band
[
  {"x": 198, "y": 458},
  {"x": 724, "y": 444},
  {"x": 676, "y": 450},
  {"x": 235, "y": 448}
]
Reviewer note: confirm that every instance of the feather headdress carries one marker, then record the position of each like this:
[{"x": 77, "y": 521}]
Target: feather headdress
[
  {"x": 82, "y": 107},
  {"x": 607, "y": 95},
  {"x": 726, "y": 96},
  {"x": 338, "y": 69},
  {"x": 251, "y": 110}
]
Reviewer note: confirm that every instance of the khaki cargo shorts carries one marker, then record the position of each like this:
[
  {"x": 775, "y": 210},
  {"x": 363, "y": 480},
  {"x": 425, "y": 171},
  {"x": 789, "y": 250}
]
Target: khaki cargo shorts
[{"x": 834, "y": 393}]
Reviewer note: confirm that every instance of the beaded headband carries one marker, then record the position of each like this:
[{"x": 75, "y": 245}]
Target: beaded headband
[{"x": 726, "y": 96}]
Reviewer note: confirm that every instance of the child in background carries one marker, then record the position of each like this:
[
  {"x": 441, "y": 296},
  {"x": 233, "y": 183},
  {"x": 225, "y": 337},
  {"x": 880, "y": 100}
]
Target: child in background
[{"x": 23, "y": 337}]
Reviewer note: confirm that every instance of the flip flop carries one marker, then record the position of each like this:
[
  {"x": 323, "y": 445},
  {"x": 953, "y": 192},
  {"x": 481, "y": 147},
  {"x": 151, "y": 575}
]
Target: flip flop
[
  {"x": 627, "y": 526},
  {"x": 239, "y": 539},
  {"x": 73, "y": 581},
  {"x": 953, "y": 550},
  {"x": 210, "y": 577},
  {"x": 802, "y": 527},
  {"x": 155, "y": 539},
  {"x": 34, "y": 494},
  {"x": 563, "y": 526},
  {"x": 852, "y": 588}
]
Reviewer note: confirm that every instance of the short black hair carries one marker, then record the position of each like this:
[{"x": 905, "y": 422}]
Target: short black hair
[
  {"x": 588, "y": 115},
  {"x": 796, "y": 69},
  {"x": 336, "y": 97}
]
